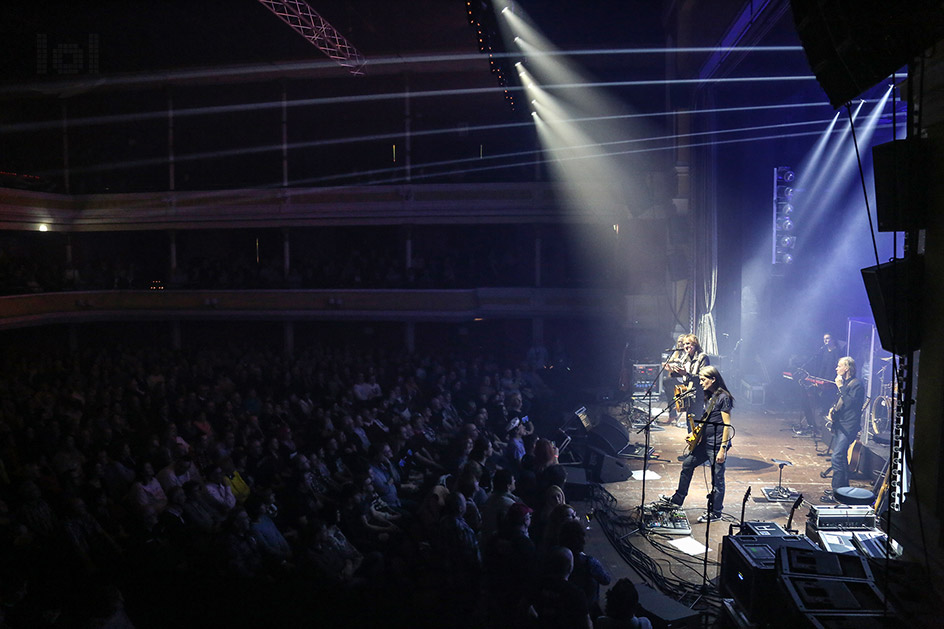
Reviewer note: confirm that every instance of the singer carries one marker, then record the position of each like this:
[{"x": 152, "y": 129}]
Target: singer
[{"x": 687, "y": 370}]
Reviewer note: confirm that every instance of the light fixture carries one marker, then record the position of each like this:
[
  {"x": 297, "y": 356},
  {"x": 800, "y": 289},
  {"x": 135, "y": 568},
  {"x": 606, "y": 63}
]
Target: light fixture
[
  {"x": 783, "y": 241},
  {"x": 785, "y": 174}
]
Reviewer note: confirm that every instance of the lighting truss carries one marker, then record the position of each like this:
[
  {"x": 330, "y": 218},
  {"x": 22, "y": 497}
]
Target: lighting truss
[{"x": 307, "y": 23}]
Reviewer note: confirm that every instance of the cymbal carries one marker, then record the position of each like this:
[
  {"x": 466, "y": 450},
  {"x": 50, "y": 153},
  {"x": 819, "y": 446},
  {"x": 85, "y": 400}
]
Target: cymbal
[{"x": 886, "y": 359}]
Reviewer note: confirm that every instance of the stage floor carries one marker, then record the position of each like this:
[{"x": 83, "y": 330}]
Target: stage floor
[{"x": 761, "y": 435}]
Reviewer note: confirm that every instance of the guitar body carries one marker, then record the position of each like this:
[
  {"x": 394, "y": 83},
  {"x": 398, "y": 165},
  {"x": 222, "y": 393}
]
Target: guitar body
[
  {"x": 682, "y": 404},
  {"x": 855, "y": 456},
  {"x": 695, "y": 438}
]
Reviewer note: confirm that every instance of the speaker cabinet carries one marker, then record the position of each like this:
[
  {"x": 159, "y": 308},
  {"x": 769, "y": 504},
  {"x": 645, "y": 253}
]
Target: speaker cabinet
[
  {"x": 895, "y": 298},
  {"x": 609, "y": 436},
  {"x": 901, "y": 172}
]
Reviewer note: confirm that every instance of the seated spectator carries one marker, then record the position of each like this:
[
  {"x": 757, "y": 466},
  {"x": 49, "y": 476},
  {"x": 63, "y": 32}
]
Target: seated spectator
[
  {"x": 200, "y": 516},
  {"x": 497, "y": 503},
  {"x": 459, "y": 564},
  {"x": 147, "y": 496},
  {"x": 177, "y": 473},
  {"x": 218, "y": 492},
  {"x": 93, "y": 548},
  {"x": 553, "y": 496},
  {"x": 559, "y": 514},
  {"x": 554, "y": 602},
  {"x": 588, "y": 574},
  {"x": 514, "y": 448},
  {"x": 272, "y": 544},
  {"x": 509, "y": 564},
  {"x": 239, "y": 549},
  {"x": 234, "y": 479}
]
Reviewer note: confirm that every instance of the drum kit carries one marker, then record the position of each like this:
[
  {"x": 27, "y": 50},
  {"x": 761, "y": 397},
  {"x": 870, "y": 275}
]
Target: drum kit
[{"x": 880, "y": 413}]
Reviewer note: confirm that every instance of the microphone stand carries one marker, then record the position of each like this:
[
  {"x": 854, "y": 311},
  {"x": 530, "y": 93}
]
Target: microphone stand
[
  {"x": 711, "y": 501},
  {"x": 647, "y": 427}
]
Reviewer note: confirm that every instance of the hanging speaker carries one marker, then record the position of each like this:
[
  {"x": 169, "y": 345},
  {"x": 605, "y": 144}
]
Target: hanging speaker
[
  {"x": 901, "y": 184},
  {"x": 895, "y": 298},
  {"x": 853, "y": 44}
]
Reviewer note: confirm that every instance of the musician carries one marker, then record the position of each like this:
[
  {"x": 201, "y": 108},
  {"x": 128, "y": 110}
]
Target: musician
[
  {"x": 817, "y": 394},
  {"x": 687, "y": 370},
  {"x": 712, "y": 438},
  {"x": 845, "y": 416},
  {"x": 823, "y": 363}
]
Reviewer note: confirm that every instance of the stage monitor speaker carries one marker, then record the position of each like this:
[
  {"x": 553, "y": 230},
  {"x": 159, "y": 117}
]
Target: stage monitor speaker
[
  {"x": 894, "y": 291},
  {"x": 748, "y": 570},
  {"x": 603, "y": 468},
  {"x": 901, "y": 170},
  {"x": 576, "y": 487},
  {"x": 665, "y": 612},
  {"x": 853, "y": 44},
  {"x": 811, "y": 595},
  {"x": 608, "y": 435}
]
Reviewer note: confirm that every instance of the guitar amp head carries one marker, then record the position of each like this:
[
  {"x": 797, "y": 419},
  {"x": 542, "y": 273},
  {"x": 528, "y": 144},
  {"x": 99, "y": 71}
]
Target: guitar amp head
[{"x": 841, "y": 518}]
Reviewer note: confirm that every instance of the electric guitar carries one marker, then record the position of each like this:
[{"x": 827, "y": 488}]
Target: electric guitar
[{"x": 698, "y": 429}]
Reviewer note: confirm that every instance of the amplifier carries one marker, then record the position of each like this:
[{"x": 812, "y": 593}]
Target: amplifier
[
  {"x": 748, "y": 570},
  {"x": 818, "y": 595},
  {"x": 842, "y": 518},
  {"x": 819, "y": 563},
  {"x": 832, "y": 541},
  {"x": 763, "y": 529}
]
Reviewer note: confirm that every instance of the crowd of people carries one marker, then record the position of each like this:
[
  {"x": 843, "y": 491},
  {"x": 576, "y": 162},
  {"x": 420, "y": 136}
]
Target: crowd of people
[{"x": 237, "y": 486}]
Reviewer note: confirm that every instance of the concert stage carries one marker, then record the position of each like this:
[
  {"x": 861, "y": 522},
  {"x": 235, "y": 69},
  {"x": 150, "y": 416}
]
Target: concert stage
[{"x": 762, "y": 436}]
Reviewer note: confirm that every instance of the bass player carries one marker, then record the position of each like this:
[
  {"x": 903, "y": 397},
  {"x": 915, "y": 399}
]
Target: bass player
[{"x": 708, "y": 442}]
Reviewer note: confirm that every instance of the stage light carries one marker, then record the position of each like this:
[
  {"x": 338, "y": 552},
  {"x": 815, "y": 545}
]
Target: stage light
[
  {"x": 43, "y": 227},
  {"x": 782, "y": 223}
]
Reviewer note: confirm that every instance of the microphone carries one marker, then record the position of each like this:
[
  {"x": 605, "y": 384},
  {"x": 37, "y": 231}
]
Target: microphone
[{"x": 671, "y": 349}]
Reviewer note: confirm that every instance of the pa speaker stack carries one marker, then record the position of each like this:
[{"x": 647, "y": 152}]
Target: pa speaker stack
[{"x": 772, "y": 579}]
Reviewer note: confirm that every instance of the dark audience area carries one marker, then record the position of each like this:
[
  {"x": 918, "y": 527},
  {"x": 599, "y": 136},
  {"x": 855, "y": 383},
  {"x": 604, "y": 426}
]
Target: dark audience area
[
  {"x": 460, "y": 258},
  {"x": 235, "y": 486}
]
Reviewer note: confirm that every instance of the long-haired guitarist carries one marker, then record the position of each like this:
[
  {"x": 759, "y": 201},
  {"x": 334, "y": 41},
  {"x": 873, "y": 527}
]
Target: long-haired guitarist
[
  {"x": 709, "y": 441},
  {"x": 845, "y": 416},
  {"x": 686, "y": 369}
]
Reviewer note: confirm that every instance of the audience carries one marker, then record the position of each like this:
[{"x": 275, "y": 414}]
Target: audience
[{"x": 352, "y": 469}]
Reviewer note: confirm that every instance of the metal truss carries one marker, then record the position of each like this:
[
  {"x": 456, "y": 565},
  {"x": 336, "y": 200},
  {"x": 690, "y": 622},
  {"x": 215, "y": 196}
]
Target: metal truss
[{"x": 307, "y": 23}]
